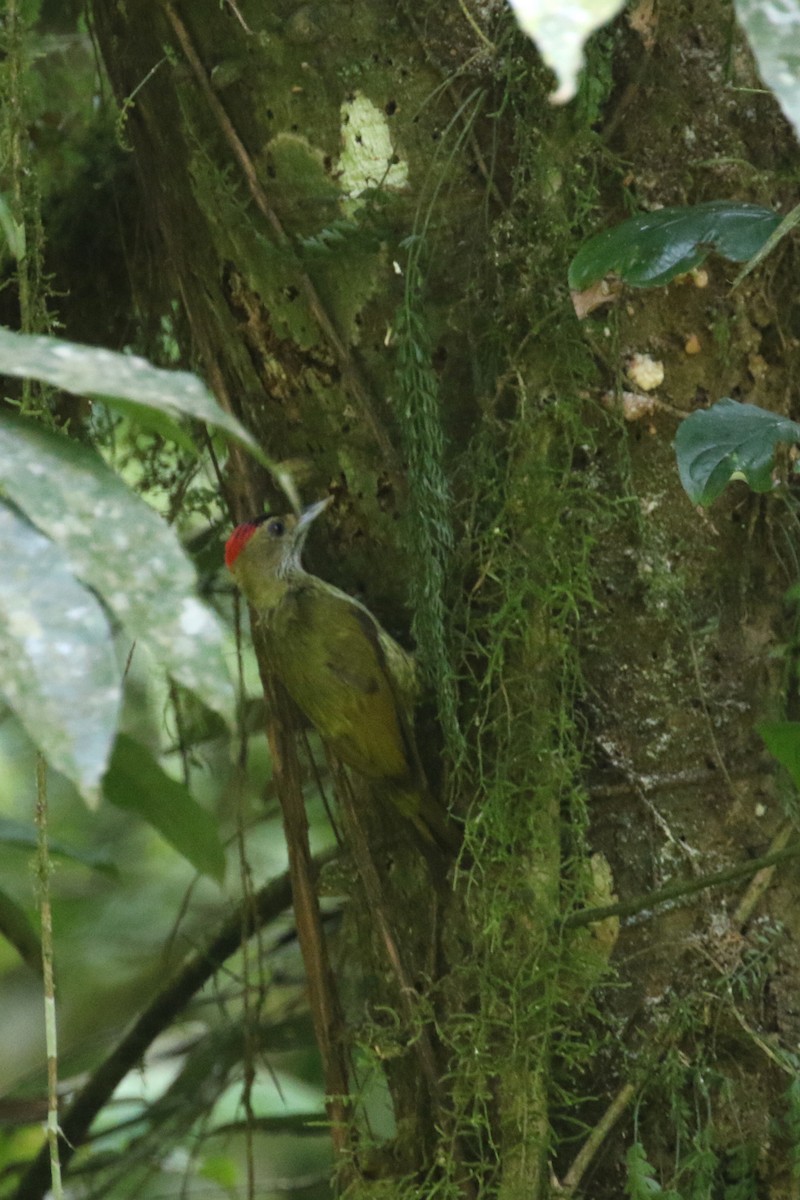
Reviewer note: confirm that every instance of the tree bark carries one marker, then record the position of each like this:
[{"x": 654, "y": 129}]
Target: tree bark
[{"x": 367, "y": 211}]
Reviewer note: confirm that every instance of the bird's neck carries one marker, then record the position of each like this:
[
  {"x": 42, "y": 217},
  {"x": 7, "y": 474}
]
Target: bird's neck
[{"x": 265, "y": 591}]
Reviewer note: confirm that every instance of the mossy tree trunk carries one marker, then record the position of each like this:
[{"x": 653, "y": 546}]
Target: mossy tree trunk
[{"x": 367, "y": 210}]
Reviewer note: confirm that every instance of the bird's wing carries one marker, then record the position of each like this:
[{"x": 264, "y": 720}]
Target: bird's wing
[{"x": 328, "y": 654}]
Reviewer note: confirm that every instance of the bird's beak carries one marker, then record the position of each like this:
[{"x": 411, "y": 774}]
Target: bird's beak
[
  {"x": 310, "y": 515},
  {"x": 304, "y": 523}
]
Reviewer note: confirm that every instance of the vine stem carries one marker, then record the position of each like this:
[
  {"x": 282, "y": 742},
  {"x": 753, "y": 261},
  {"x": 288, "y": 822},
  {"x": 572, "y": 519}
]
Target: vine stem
[
  {"x": 17, "y": 125},
  {"x": 43, "y": 872}
]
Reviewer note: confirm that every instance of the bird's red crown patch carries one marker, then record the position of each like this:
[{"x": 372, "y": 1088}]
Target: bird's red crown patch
[{"x": 238, "y": 540}]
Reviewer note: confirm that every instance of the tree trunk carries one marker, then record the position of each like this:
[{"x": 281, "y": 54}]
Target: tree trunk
[{"x": 368, "y": 210}]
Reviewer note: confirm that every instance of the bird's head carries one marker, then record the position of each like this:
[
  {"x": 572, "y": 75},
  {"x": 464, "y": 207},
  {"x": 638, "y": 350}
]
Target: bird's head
[{"x": 264, "y": 555}]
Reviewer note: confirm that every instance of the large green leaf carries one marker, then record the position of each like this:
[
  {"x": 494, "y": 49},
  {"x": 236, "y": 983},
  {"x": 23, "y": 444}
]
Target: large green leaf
[
  {"x": 57, "y": 666},
  {"x": 729, "y": 438},
  {"x": 26, "y": 837},
  {"x": 773, "y": 30},
  {"x": 90, "y": 371},
  {"x": 136, "y": 782},
  {"x": 18, "y": 931},
  {"x": 652, "y": 248},
  {"x": 123, "y": 549}
]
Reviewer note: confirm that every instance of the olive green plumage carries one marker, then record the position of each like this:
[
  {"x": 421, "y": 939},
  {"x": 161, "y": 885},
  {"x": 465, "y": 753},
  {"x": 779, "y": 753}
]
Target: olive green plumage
[{"x": 352, "y": 681}]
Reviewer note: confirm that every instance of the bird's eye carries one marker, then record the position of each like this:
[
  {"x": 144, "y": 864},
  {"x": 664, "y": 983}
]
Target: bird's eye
[{"x": 276, "y": 529}]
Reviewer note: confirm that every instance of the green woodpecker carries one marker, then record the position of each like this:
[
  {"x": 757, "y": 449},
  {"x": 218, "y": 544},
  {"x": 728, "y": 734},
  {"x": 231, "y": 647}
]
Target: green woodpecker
[{"x": 351, "y": 680}]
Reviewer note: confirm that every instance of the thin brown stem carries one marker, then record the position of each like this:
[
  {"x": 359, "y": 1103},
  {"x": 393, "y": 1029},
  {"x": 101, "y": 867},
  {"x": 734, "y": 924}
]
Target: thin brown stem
[
  {"x": 45, "y": 909},
  {"x": 326, "y": 1011}
]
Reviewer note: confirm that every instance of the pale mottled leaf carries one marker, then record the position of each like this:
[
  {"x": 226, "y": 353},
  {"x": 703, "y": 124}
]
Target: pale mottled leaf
[
  {"x": 123, "y": 549},
  {"x": 91, "y": 371},
  {"x": 560, "y": 28},
  {"x": 58, "y": 671},
  {"x": 773, "y": 31}
]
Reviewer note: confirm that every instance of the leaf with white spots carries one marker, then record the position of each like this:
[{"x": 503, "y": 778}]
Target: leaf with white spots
[
  {"x": 58, "y": 671},
  {"x": 560, "y": 28},
  {"x": 773, "y": 31},
  {"x": 119, "y": 546},
  {"x": 90, "y": 371}
]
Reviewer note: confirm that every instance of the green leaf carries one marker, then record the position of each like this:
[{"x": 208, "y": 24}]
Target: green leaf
[
  {"x": 58, "y": 671},
  {"x": 787, "y": 224},
  {"x": 119, "y": 546},
  {"x": 137, "y": 783},
  {"x": 729, "y": 439},
  {"x": 89, "y": 371},
  {"x": 19, "y": 932},
  {"x": 17, "y": 833},
  {"x": 772, "y": 31},
  {"x": 652, "y": 248},
  {"x": 640, "y": 1183},
  {"x": 782, "y": 739}
]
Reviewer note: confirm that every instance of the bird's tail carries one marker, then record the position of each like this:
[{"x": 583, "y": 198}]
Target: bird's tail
[{"x": 429, "y": 818}]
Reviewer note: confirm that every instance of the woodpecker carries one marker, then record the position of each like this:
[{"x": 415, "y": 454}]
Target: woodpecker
[{"x": 346, "y": 674}]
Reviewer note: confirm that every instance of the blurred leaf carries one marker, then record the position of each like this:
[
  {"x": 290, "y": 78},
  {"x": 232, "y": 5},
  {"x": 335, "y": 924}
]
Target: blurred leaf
[
  {"x": 154, "y": 421},
  {"x": 650, "y": 249},
  {"x": 772, "y": 31},
  {"x": 13, "y": 231},
  {"x": 90, "y": 371},
  {"x": 560, "y": 31},
  {"x": 137, "y": 783},
  {"x": 729, "y": 438},
  {"x": 16, "y": 833},
  {"x": 303, "y": 1124},
  {"x": 223, "y": 1170},
  {"x": 57, "y": 666},
  {"x": 273, "y": 1094},
  {"x": 119, "y": 546},
  {"x": 782, "y": 739},
  {"x": 20, "y": 933}
]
